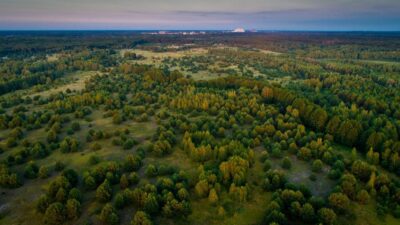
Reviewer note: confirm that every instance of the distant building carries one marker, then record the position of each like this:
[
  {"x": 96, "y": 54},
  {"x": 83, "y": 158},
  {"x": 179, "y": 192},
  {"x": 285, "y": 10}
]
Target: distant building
[{"x": 239, "y": 30}]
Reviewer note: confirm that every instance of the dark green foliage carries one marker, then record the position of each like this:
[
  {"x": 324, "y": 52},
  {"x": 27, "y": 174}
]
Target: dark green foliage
[
  {"x": 109, "y": 215},
  {"x": 55, "y": 214},
  {"x": 104, "y": 192}
]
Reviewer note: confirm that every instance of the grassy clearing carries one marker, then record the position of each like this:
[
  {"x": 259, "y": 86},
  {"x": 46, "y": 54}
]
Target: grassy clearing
[
  {"x": 300, "y": 173},
  {"x": 157, "y": 57},
  {"x": 73, "y": 82}
]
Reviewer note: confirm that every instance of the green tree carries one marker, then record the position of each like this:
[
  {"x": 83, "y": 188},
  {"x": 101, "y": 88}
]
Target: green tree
[
  {"x": 213, "y": 196},
  {"x": 73, "y": 208},
  {"x": 123, "y": 182},
  {"x": 43, "y": 172},
  {"x": 141, "y": 218},
  {"x": 286, "y": 163},
  {"x": 361, "y": 170},
  {"x": 42, "y": 203},
  {"x": 109, "y": 215},
  {"x": 363, "y": 197},
  {"x": 340, "y": 202},
  {"x": 55, "y": 214},
  {"x": 327, "y": 216},
  {"x": 317, "y": 166},
  {"x": 150, "y": 204},
  {"x": 307, "y": 212},
  {"x": 104, "y": 192}
]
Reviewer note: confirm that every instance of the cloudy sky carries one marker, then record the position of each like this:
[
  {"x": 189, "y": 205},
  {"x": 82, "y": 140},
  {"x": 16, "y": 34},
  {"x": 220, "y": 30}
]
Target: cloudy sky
[{"x": 201, "y": 14}]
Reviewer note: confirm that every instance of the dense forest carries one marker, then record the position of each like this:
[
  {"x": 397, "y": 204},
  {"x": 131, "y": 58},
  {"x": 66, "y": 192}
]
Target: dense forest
[{"x": 217, "y": 128}]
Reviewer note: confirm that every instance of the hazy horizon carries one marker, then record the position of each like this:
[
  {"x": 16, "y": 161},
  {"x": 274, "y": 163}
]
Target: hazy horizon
[{"x": 273, "y": 15}]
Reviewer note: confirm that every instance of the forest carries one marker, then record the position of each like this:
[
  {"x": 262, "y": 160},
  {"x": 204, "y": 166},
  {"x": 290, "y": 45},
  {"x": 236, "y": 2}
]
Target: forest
[{"x": 137, "y": 128}]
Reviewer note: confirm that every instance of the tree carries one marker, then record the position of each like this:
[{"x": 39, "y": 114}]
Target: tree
[
  {"x": 51, "y": 136},
  {"x": 73, "y": 208},
  {"x": 349, "y": 132},
  {"x": 117, "y": 118},
  {"x": 119, "y": 201},
  {"x": 307, "y": 212},
  {"x": 361, "y": 170},
  {"x": 109, "y": 215},
  {"x": 340, "y": 202},
  {"x": 55, "y": 214},
  {"x": 61, "y": 195},
  {"x": 141, "y": 218},
  {"x": 327, "y": 216},
  {"x": 333, "y": 125},
  {"x": 353, "y": 156},
  {"x": 150, "y": 204},
  {"x": 128, "y": 144},
  {"x": 348, "y": 185},
  {"x": 234, "y": 169},
  {"x": 183, "y": 194},
  {"x": 213, "y": 196},
  {"x": 373, "y": 157},
  {"x": 268, "y": 93},
  {"x": 31, "y": 170},
  {"x": 75, "y": 126},
  {"x": 317, "y": 166},
  {"x": 104, "y": 192},
  {"x": 89, "y": 183},
  {"x": 363, "y": 197},
  {"x": 132, "y": 163},
  {"x": 95, "y": 146},
  {"x": 286, "y": 163},
  {"x": 202, "y": 188},
  {"x": 319, "y": 118},
  {"x": 42, "y": 204},
  {"x": 74, "y": 193},
  {"x": 123, "y": 182},
  {"x": 151, "y": 171},
  {"x": 43, "y": 172}
]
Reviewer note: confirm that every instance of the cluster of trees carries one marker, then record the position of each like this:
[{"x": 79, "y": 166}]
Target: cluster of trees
[{"x": 62, "y": 202}]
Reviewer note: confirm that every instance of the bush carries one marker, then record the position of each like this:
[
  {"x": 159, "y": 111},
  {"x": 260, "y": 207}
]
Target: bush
[
  {"x": 59, "y": 166},
  {"x": 94, "y": 159},
  {"x": 31, "y": 171},
  {"x": 75, "y": 126},
  {"x": 129, "y": 143},
  {"x": 95, "y": 146}
]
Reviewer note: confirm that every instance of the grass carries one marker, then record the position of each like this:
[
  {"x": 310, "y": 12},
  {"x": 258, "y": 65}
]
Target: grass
[
  {"x": 366, "y": 215},
  {"x": 73, "y": 82},
  {"x": 300, "y": 172}
]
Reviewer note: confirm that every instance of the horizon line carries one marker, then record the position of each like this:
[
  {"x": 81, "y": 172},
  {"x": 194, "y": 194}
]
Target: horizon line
[{"x": 199, "y": 30}]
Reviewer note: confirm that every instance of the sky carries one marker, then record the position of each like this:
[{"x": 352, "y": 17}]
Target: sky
[{"x": 322, "y": 15}]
